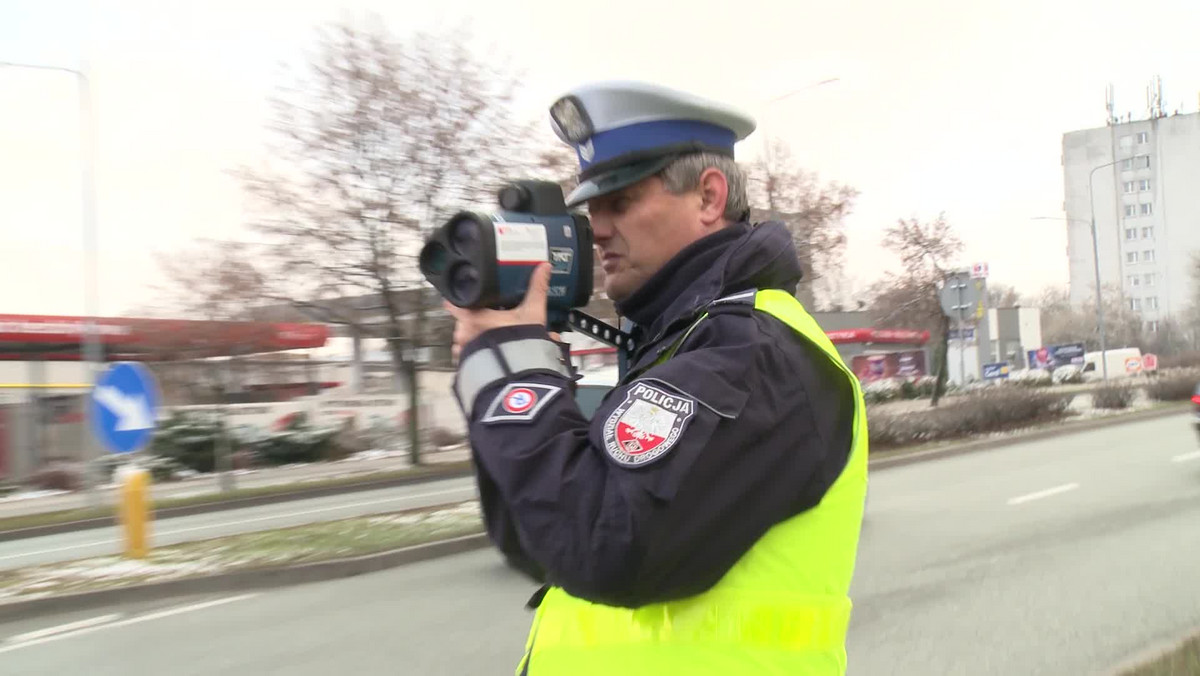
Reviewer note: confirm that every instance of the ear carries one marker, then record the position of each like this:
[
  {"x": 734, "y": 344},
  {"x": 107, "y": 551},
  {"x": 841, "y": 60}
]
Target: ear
[{"x": 714, "y": 192}]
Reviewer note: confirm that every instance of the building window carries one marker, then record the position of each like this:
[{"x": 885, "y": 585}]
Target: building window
[
  {"x": 1126, "y": 165},
  {"x": 1152, "y": 327},
  {"x": 1152, "y": 303},
  {"x": 1148, "y": 233},
  {"x": 1148, "y": 255},
  {"x": 1143, "y": 137},
  {"x": 1147, "y": 209},
  {"x": 1130, "y": 187},
  {"x": 1144, "y": 185},
  {"x": 1143, "y": 162},
  {"x": 1131, "y": 257},
  {"x": 1130, "y": 210},
  {"x": 1135, "y": 303},
  {"x": 1134, "y": 280},
  {"x": 1126, "y": 141},
  {"x": 1149, "y": 279},
  {"x": 1130, "y": 233}
]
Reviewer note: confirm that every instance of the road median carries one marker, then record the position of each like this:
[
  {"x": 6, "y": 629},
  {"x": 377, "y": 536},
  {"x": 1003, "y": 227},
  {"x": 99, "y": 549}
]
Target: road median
[
  {"x": 910, "y": 455},
  {"x": 63, "y": 521},
  {"x": 280, "y": 557}
]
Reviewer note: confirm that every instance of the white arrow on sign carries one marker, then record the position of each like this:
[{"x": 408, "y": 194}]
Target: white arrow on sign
[{"x": 133, "y": 412}]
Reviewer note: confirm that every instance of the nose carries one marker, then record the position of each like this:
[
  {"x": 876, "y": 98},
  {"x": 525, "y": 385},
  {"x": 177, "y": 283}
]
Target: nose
[{"x": 602, "y": 228}]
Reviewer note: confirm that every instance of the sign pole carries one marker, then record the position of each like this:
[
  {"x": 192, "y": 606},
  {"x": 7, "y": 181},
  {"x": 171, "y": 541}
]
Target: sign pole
[{"x": 124, "y": 415}]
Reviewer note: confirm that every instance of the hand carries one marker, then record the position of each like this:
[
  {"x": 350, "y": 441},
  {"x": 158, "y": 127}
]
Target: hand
[{"x": 470, "y": 324}]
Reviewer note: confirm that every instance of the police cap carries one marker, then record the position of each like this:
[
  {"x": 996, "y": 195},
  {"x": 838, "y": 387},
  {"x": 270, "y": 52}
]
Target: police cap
[{"x": 625, "y": 131}]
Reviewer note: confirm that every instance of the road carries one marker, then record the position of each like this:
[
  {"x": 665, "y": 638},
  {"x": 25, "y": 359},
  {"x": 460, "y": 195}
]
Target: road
[
  {"x": 1056, "y": 557},
  {"x": 102, "y": 541}
]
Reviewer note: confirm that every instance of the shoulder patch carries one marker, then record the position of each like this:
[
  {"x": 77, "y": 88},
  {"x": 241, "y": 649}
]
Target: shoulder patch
[
  {"x": 519, "y": 402},
  {"x": 646, "y": 425}
]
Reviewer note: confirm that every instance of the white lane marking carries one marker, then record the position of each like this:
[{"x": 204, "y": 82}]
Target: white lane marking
[
  {"x": 61, "y": 629},
  {"x": 1194, "y": 455},
  {"x": 124, "y": 623},
  {"x": 1043, "y": 494},
  {"x": 258, "y": 519}
]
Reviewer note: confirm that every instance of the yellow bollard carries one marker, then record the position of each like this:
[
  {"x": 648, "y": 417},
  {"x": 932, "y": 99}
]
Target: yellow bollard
[{"x": 135, "y": 511}]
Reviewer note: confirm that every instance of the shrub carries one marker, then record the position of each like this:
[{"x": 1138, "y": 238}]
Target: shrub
[
  {"x": 442, "y": 437},
  {"x": 1182, "y": 360},
  {"x": 1067, "y": 375},
  {"x": 880, "y": 391},
  {"x": 1113, "y": 396},
  {"x": 1173, "y": 385},
  {"x": 190, "y": 440},
  {"x": 57, "y": 476},
  {"x": 993, "y": 409},
  {"x": 1031, "y": 378}
]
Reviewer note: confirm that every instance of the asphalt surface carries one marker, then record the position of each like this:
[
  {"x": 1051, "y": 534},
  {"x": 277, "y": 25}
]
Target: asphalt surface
[
  {"x": 105, "y": 540},
  {"x": 1057, "y": 557}
]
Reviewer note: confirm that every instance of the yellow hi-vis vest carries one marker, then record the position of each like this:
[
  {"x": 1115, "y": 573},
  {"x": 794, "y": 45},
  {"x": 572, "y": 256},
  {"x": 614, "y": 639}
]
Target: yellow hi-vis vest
[{"x": 783, "y": 608}]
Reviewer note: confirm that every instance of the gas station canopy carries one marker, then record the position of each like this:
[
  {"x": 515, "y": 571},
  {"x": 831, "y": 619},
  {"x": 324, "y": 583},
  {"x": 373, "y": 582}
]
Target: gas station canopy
[{"x": 48, "y": 338}]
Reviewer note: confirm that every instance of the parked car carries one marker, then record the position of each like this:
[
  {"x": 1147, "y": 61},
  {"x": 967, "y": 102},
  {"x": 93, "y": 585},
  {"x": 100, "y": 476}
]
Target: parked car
[{"x": 1196, "y": 409}]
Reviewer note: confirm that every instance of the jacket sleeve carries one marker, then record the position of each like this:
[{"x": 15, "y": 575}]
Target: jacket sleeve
[{"x": 678, "y": 473}]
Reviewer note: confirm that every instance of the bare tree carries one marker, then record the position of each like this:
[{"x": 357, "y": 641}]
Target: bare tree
[
  {"x": 1063, "y": 322},
  {"x": 926, "y": 251},
  {"x": 813, "y": 213},
  {"x": 378, "y": 142},
  {"x": 1003, "y": 295},
  {"x": 215, "y": 280}
]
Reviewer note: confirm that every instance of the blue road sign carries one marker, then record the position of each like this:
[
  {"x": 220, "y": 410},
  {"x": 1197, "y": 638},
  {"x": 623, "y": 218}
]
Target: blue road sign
[{"x": 124, "y": 406}]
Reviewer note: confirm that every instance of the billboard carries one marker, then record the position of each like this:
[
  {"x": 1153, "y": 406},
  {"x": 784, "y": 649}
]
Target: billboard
[
  {"x": 905, "y": 364},
  {"x": 996, "y": 371},
  {"x": 1053, "y": 356}
]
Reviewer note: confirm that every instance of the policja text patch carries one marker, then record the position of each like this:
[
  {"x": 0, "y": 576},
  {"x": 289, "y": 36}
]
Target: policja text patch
[
  {"x": 646, "y": 425},
  {"x": 520, "y": 402}
]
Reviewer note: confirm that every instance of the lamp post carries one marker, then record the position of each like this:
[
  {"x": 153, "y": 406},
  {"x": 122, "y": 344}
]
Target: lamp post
[
  {"x": 1096, "y": 255},
  {"x": 91, "y": 340},
  {"x": 1096, "y": 270},
  {"x": 769, "y": 103}
]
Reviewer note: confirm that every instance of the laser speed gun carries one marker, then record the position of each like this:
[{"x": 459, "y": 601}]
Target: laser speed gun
[{"x": 485, "y": 260}]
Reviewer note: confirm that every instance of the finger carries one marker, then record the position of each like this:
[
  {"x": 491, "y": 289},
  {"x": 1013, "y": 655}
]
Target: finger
[
  {"x": 555, "y": 336},
  {"x": 539, "y": 286}
]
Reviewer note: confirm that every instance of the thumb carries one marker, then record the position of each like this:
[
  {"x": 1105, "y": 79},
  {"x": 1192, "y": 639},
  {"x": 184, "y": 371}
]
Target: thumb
[{"x": 539, "y": 285}]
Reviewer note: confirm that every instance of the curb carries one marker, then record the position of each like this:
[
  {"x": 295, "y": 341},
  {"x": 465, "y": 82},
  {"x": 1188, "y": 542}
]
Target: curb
[
  {"x": 455, "y": 472},
  {"x": 1052, "y": 431},
  {"x": 1153, "y": 653},
  {"x": 235, "y": 581}
]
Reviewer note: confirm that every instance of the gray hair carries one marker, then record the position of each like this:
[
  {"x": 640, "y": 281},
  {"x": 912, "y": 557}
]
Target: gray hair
[{"x": 683, "y": 175}]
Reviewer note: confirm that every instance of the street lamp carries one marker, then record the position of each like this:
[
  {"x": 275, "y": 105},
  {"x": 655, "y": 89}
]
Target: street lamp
[
  {"x": 767, "y": 106},
  {"x": 1096, "y": 253},
  {"x": 91, "y": 342},
  {"x": 1096, "y": 270}
]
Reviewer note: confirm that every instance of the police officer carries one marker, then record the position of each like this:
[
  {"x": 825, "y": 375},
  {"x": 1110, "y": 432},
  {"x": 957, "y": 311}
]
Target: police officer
[{"x": 706, "y": 519}]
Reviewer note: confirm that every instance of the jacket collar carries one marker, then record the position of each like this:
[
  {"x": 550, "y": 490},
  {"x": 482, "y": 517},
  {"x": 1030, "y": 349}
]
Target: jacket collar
[{"x": 737, "y": 258}]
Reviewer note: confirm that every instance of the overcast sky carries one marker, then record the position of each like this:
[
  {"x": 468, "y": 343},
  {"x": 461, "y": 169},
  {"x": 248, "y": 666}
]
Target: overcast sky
[{"x": 941, "y": 106}]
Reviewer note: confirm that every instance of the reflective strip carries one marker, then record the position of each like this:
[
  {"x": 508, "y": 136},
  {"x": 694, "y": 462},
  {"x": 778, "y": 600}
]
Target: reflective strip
[
  {"x": 735, "y": 617},
  {"x": 482, "y": 368},
  {"x": 743, "y": 298}
]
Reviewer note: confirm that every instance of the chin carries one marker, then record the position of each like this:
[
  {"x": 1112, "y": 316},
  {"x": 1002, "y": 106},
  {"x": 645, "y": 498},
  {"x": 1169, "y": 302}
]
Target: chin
[{"x": 617, "y": 292}]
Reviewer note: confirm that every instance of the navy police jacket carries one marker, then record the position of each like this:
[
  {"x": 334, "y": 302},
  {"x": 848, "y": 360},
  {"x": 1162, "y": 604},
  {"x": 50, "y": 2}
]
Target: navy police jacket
[{"x": 686, "y": 463}]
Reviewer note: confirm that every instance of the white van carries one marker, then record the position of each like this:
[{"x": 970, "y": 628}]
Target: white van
[{"x": 1123, "y": 362}]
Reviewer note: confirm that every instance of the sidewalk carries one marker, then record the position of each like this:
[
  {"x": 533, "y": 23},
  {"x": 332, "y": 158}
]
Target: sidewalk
[{"x": 21, "y": 504}]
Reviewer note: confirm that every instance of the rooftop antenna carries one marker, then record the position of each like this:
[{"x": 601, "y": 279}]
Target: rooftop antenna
[
  {"x": 1110, "y": 104},
  {"x": 1154, "y": 98}
]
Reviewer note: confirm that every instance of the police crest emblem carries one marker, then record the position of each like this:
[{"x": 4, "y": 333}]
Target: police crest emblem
[{"x": 646, "y": 425}]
